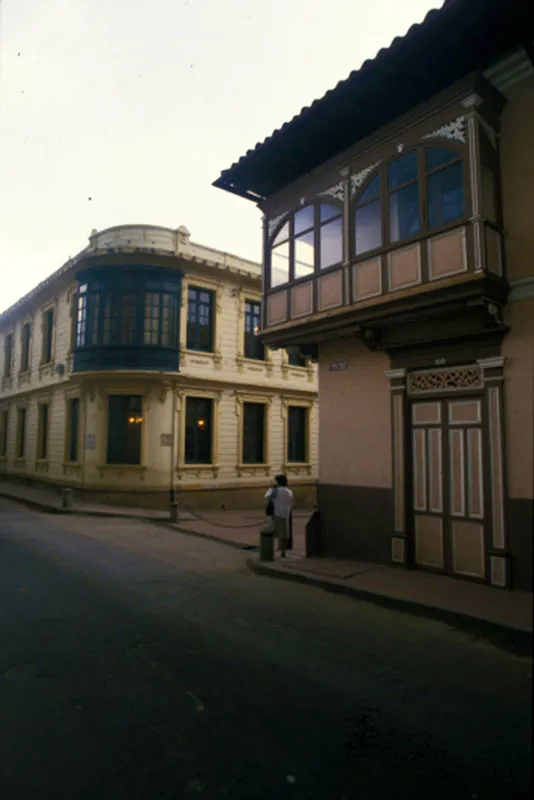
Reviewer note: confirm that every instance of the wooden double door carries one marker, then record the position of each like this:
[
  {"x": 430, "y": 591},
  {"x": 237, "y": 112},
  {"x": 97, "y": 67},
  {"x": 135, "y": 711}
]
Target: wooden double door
[{"x": 449, "y": 486}]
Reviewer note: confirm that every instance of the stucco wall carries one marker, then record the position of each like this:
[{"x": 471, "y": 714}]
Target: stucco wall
[
  {"x": 355, "y": 417},
  {"x": 517, "y": 167},
  {"x": 518, "y": 350}
]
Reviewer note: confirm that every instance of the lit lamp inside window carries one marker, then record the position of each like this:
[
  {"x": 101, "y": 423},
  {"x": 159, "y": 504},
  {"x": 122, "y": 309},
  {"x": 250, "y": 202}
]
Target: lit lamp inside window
[
  {"x": 135, "y": 420},
  {"x": 201, "y": 423},
  {"x": 256, "y": 330}
]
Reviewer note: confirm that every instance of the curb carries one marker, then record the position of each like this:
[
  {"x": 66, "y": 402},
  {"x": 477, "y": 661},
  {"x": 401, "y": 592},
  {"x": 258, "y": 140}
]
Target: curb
[
  {"x": 50, "y": 509},
  {"x": 208, "y": 536},
  {"x": 512, "y": 640}
]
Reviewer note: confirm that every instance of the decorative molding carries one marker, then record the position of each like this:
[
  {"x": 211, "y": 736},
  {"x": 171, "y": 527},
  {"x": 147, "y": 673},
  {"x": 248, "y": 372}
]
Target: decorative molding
[
  {"x": 491, "y": 363},
  {"x": 449, "y": 379},
  {"x": 454, "y": 130},
  {"x": 337, "y": 191},
  {"x": 273, "y": 222},
  {"x": 358, "y": 178}
]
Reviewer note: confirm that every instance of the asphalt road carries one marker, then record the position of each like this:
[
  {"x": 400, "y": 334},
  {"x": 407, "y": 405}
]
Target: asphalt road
[{"x": 136, "y": 662}]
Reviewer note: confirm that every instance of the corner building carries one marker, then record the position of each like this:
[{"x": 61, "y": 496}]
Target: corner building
[{"x": 135, "y": 372}]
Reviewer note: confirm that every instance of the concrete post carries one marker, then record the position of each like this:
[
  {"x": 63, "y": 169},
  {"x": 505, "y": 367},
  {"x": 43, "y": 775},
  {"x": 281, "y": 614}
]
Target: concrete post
[
  {"x": 266, "y": 545},
  {"x": 66, "y": 497},
  {"x": 175, "y": 512}
]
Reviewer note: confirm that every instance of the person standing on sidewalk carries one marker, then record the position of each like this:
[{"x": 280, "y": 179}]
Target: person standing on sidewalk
[{"x": 280, "y": 505}]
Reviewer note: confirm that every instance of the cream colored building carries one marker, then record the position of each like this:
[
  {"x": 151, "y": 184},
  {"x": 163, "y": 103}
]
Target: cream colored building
[{"x": 135, "y": 371}]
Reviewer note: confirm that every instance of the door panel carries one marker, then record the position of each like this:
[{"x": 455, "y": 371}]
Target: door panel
[{"x": 448, "y": 486}]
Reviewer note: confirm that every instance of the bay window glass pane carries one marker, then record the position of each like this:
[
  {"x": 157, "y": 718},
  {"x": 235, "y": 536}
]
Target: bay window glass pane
[
  {"x": 304, "y": 219},
  {"x": 331, "y": 239},
  {"x": 445, "y": 195},
  {"x": 372, "y": 191},
  {"x": 439, "y": 156},
  {"x": 368, "y": 227},
  {"x": 304, "y": 255},
  {"x": 280, "y": 264},
  {"x": 402, "y": 170},
  {"x": 404, "y": 220},
  {"x": 283, "y": 234},
  {"x": 327, "y": 212}
]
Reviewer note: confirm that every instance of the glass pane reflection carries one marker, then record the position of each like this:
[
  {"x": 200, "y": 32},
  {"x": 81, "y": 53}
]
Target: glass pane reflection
[
  {"x": 304, "y": 219},
  {"x": 402, "y": 170},
  {"x": 304, "y": 255},
  {"x": 327, "y": 212},
  {"x": 331, "y": 243},
  {"x": 404, "y": 219},
  {"x": 368, "y": 227},
  {"x": 280, "y": 264},
  {"x": 445, "y": 195},
  {"x": 372, "y": 191}
]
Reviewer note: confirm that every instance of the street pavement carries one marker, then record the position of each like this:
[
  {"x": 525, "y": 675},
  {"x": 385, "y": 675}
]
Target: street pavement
[{"x": 138, "y": 662}]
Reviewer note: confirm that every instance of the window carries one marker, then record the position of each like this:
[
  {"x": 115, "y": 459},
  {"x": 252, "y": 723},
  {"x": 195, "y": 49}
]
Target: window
[
  {"x": 294, "y": 358},
  {"x": 4, "y": 419},
  {"x": 198, "y": 430},
  {"x": 253, "y": 348},
  {"x": 368, "y": 219},
  {"x": 42, "y": 431},
  {"x": 444, "y": 182},
  {"x": 21, "y": 432},
  {"x": 160, "y": 320},
  {"x": 73, "y": 424},
  {"x": 125, "y": 422},
  {"x": 403, "y": 188},
  {"x": 297, "y": 434},
  {"x": 253, "y": 433},
  {"x": 310, "y": 240},
  {"x": 8, "y": 355},
  {"x": 48, "y": 335},
  {"x": 416, "y": 192},
  {"x": 81, "y": 316},
  {"x": 200, "y": 319},
  {"x": 25, "y": 336},
  {"x": 119, "y": 320}
]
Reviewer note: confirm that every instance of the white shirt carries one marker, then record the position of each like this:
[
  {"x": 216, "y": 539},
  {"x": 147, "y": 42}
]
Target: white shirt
[{"x": 283, "y": 501}]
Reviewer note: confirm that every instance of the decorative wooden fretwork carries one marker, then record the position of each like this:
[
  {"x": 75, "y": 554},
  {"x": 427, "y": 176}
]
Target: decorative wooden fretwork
[
  {"x": 337, "y": 191},
  {"x": 454, "y": 130},
  {"x": 449, "y": 379}
]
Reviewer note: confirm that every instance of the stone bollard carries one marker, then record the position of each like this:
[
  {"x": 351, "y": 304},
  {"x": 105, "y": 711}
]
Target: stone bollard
[
  {"x": 66, "y": 496},
  {"x": 266, "y": 545},
  {"x": 175, "y": 512}
]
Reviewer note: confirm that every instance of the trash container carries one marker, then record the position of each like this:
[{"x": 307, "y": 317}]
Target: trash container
[{"x": 266, "y": 544}]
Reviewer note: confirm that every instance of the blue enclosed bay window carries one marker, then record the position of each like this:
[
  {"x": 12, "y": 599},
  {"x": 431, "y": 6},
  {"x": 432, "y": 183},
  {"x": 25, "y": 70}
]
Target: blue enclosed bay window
[{"x": 127, "y": 319}]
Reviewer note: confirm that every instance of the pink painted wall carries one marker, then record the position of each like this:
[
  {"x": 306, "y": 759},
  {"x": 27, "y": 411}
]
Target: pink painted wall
[
  {"x": 517, "y": 165},
  {"x": 518, "y": 350},
  {"x": 354, "y": 417}
]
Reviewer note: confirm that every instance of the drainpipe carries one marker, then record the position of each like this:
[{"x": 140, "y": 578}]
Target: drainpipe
[
  {"x": 173, "y": 444},
  {"x": 84, "y": 430}
]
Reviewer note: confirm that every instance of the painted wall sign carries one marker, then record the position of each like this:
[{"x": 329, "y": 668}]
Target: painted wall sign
[
  {"x": 338, "y": 366},
  {"x": 166, "y": 440}
]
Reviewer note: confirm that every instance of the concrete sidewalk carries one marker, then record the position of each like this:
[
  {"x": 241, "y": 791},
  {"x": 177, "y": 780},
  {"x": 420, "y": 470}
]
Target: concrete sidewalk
[
  {"x": 501, "y": 616},
  {"x": 238, "y": 529}
]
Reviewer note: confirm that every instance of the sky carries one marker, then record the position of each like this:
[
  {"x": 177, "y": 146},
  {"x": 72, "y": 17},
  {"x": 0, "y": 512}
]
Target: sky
[{"x": 121, "y": 111}]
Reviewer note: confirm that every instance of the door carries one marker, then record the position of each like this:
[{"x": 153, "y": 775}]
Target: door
[{"x": 448, "y": 486}]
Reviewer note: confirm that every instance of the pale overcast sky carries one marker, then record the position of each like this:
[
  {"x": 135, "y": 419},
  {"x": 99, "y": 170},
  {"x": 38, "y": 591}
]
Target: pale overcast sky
[{"x": 122, "y": 111}]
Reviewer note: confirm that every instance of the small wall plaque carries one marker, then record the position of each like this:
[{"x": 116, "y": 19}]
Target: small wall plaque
[
  {"x": 338, "y": 366},
  {"x": 166, "y": 440},
  {"x": 90, "y": 441}
]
